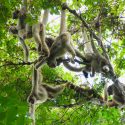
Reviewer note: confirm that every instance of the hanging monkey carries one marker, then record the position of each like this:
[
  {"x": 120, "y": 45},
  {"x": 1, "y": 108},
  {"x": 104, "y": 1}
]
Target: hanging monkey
[
  {"x": 38, "y": 31},
  {"x": 98, "y": 62},
  {"x": 19, "y": 30},
  {"x": 61, "y": 45},
  {"x": 25, "y": 31},
  {"x": 41, "y": 92}
]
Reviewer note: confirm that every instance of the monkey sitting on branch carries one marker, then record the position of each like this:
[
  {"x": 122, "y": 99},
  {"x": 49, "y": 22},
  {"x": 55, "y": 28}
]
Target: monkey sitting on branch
[
  {"x": 61, "y": 45},
  {"x": 41, "y": 92}
]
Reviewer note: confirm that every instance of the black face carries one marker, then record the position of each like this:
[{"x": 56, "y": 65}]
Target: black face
[{"x": 15, "y": 14}]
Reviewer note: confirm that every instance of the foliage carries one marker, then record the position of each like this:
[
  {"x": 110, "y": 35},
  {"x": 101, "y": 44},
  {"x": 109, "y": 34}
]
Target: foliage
[{"x": 15, "y": 79}]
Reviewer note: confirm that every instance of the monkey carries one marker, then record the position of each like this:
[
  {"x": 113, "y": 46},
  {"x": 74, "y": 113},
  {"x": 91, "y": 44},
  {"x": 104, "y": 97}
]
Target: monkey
[
  {"x": 98, "y": 62},
  {"x": 118, "y": 98},
  {"x": 86, "y": 40},
  {"x": 38, "y": 88},
  {"x": 24, "y": 31},
  {"x": 19, "y": 30},
  {"x": 61, "y": 45},
  {"x": 41, "y": 92},
  {"x": 38, "y": 31}
]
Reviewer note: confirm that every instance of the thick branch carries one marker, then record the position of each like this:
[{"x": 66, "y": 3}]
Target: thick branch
[{"x": 16, "y": 64}]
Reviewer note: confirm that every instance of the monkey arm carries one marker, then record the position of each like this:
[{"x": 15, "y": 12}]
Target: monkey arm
[
  {"x": 25, "y": 49},
  {"x": 86, "y": 41},
  {"x": 45, "y": 17},
  {"x": 44, "y": 46},
  {"x": 35, "y": 79},
  {"x": 36, "y": 30},
  {"x": 63, "y": 22},
  {"x": 71, "y": 50},
  {"x": 93, "y": 45}
]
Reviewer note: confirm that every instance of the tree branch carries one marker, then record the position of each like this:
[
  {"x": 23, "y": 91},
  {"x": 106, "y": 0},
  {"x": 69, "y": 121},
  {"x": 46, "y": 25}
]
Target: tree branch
[{"x": 9, "y": 63}]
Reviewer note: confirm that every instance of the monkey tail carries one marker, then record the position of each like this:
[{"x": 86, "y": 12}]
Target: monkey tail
[{"x": 72, "y": 68}]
